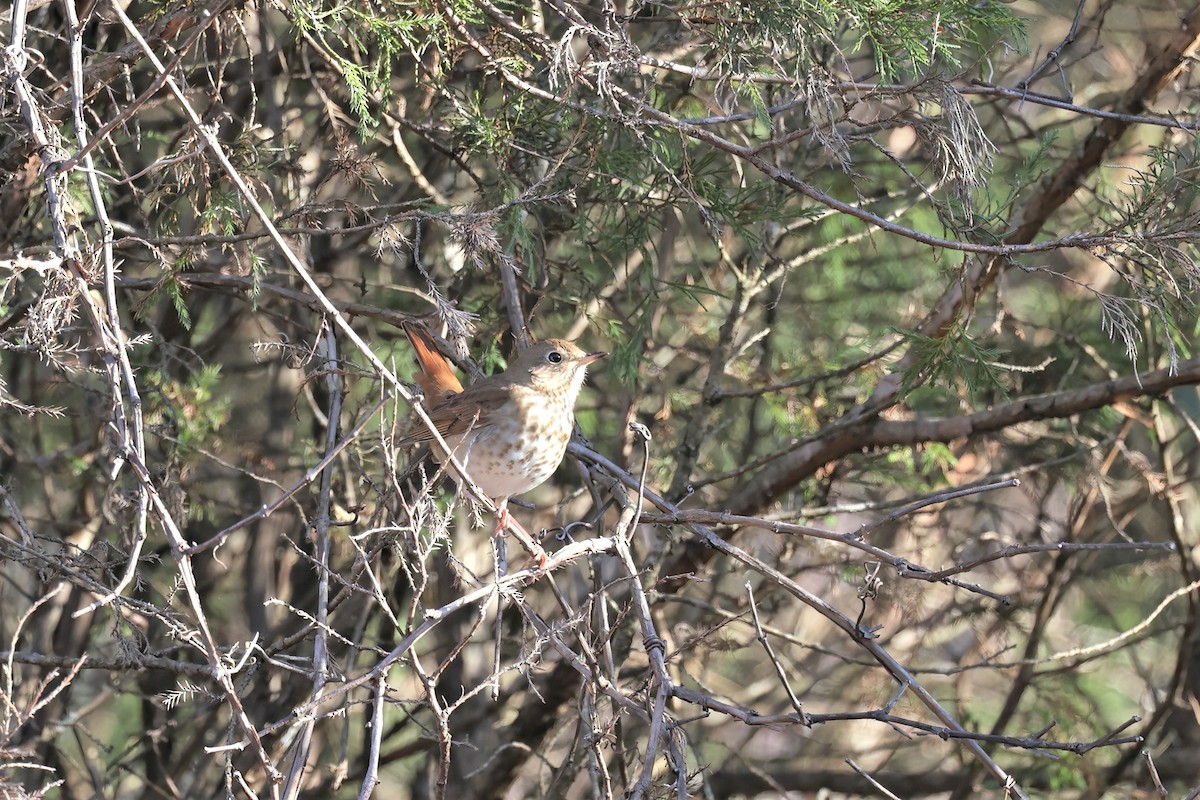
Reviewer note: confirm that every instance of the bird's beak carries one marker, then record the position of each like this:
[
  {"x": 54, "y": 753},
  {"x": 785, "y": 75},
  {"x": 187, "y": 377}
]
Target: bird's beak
[{"x": 590, "y": 357}]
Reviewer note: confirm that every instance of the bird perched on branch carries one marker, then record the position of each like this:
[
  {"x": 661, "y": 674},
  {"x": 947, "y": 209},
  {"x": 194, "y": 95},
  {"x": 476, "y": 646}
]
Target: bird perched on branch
[{"x": 509, "y": 431}]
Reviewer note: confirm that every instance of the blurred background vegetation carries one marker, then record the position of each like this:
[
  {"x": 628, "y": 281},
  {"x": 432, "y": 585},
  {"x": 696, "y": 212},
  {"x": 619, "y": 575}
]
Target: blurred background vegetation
[{"x": 906, "y": 287}]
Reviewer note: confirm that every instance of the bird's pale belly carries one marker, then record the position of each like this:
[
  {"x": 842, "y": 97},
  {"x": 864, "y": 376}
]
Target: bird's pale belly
[{"x": 503, "y": 465}]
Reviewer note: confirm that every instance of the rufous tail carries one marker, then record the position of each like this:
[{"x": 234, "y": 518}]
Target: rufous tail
[{"x": 436, "y": 378}]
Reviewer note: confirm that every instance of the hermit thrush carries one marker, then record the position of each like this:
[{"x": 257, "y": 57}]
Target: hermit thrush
[{"x": 509, "y": 431}]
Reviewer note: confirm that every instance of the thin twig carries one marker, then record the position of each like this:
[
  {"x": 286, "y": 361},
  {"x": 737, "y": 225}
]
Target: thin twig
[
  {"x": 766, "y": 643},
  {"x": 879, "y": 787}
]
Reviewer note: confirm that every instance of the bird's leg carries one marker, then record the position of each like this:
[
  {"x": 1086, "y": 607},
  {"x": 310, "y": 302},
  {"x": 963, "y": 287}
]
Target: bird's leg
[
  {"x": 504, "y": 520},
  {"x": 506, "y": 523}
]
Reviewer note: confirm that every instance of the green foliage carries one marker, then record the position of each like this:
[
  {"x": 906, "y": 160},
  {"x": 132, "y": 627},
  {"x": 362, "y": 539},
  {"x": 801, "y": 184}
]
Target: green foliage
[
  {"x": 365, "y": 43},
  {"x": 625, "y": 359},
  {"x": 902, "y": 37},
  {"x": 908, "y": 37},
  {"x": 1065, "y": 775},
  {"x": 170, "y": 287},
  {"x": 957, "y": 361},
  {"x": 258, "y": 270},
  {"x": 492, "y": 360},
  {"x": 1164, "y": 196},
  {"x": 1156, "y": 259},
  {"x": 223, "y": 214},
  {"x": 188, "y": 410}
]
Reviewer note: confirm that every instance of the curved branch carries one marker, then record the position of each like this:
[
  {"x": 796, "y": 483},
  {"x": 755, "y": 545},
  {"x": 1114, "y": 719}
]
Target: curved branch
[{"x": 767, "y": 486}]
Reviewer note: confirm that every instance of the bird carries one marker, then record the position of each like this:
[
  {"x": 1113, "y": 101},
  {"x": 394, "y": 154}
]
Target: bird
[{"x": 509, "y": 431}]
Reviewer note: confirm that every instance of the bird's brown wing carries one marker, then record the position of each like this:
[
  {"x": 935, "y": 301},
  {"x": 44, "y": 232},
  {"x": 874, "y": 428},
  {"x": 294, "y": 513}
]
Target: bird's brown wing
[{"x": 471, "y": 409}]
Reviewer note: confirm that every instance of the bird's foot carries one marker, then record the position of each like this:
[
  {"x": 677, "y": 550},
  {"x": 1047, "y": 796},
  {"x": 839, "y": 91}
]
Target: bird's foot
[{"x": 505, "y": 523}]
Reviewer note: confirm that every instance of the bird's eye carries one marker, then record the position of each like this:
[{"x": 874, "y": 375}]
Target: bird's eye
[{"x": 554, "y": 357}]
